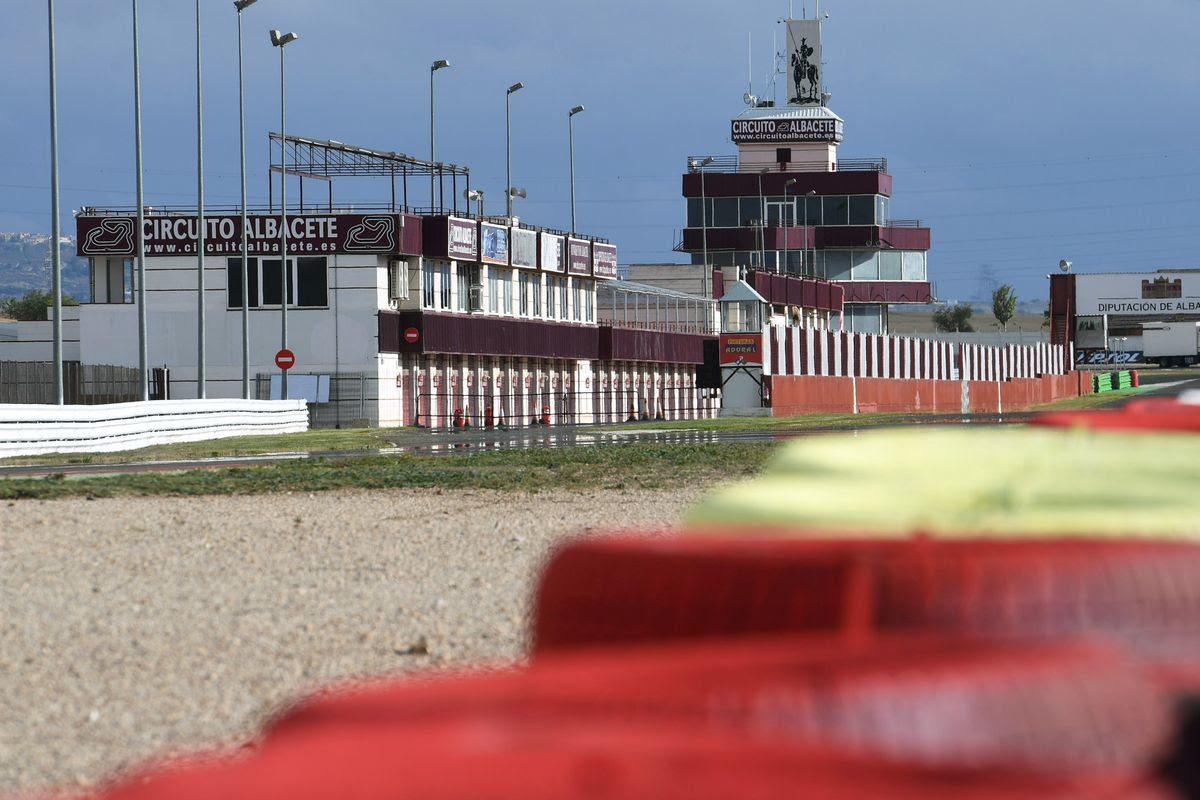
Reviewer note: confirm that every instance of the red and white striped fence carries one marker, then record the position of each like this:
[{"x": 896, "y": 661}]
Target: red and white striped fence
[{"x": 806, "y": 351}]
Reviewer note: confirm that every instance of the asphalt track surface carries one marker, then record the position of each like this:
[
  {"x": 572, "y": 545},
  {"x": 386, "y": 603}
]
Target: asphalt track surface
[{"x": 463, "y": 442}]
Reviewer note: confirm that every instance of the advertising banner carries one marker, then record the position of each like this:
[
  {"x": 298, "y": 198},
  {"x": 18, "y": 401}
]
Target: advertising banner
[
  {"x": 493, "y": 243},
  {"x": 1154, "y": 294},
  {"x": 524, "y": 248},
  {"x": 552, "y": 253},
  {"x": 604, "y": 260},
  {"x": 741, "y": 349},
  {"x": 579, "y": 256},
  {"x": 175, "y": 235},
  {"x": 785, "y": 130},
  {"x": 462, "y": 239},
  {"x": 1097, "y": 356},
  {"x": 803, "y": 54}
]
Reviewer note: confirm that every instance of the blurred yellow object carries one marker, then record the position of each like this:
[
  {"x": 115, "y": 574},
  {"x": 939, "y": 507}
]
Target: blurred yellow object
[{"x": 1000, "y": 481}]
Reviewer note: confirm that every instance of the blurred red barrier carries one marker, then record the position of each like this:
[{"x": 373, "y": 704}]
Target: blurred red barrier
[
  {"x": 476, "y": 759},
  {"x": 1147, "y": 414},
  {"x": 1144, "y": 594},
  {"x": 921, "y": 700}
]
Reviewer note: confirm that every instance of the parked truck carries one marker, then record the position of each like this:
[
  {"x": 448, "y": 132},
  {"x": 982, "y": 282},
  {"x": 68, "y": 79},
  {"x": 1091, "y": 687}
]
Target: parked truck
[{"x": 1171, "y": 344}]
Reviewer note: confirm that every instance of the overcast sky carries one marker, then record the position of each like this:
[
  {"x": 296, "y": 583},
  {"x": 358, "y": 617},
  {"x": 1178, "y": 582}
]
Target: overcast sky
[{"x": 1022, "y": 132}]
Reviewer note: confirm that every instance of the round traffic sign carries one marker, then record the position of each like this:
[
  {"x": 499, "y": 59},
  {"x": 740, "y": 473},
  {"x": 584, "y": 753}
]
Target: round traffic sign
[
  {"x": 411, "y": 335},
  {"x": 285, "y": 359}
]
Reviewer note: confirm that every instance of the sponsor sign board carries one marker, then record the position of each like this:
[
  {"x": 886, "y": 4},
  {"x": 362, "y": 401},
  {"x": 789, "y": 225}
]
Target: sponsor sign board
[
  {"x": 803, "y": 53},
  {"x": 1096, "y": 356},
  {"x": 462, "y": 239},
  {"x": 579, "y": 256},
  {"x": 551, "y": 253},
  {"x": 524, "y": 245},
  {"x": 741, "y": 348},
  {"x": 493, "y": 243},
  {"x": 604, "y": 260},
  {"x": 175, "y": 235},
  {"x": 1153, "y": 294},
  {"x": 786, "y": 130}
]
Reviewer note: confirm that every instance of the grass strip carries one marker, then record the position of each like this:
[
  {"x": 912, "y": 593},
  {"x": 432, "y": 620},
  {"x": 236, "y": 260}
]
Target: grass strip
[{"x": 626, "y": 466}]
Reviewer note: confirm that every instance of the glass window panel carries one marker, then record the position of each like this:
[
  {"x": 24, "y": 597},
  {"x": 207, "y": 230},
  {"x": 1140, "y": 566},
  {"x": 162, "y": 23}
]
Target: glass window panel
[
  {"x": 914, "y": 265},
  {"x": 751, "y": 210},
  {"x": 493, "y": 290},
  {"x": 694, "y": 217},
  {"x": 835, "y": 209},
  {"x": 233, "y": 282},
  {"x": 551, "y": 298},
  {"x": 812, "y": 211},
  {"x": 837, "y": 265},
  {"x": 862, "y": 209},
  {"x": 271, "y": 281},
  {"x": 427, "y": 284},
  {"x": 864, "y": 265},
  {"x": 725, "y": 212},
  {"x": 445, "y": 288},
  {"x": 795, "y": 262},
  {"x": 562, "y": 298},
  {"x": 506, "y": 285},
  {"x": 312, "y": 280},
  {"x": 881, "y": 210},
  {"x": 889, "y": 265}
]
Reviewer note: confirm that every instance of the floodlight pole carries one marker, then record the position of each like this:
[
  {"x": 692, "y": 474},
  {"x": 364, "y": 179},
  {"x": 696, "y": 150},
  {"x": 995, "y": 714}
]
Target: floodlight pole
[
  {"x": 139, "y": 236},
  {"x": 571, "y": 157},
  {"x": 439, "y": 64},
  {"x": 200, "y": 356},
  {"x": 241, "y": 5},
  {"x": 56, "y": 254},
  {"x": 508, "y": 144}
]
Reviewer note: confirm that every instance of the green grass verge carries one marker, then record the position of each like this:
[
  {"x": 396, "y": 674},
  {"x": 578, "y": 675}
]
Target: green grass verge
[
  {"x": 1084, "y": 402},
  {"x": 628, "y": 466},
  {"x": 312, "y": 440}
]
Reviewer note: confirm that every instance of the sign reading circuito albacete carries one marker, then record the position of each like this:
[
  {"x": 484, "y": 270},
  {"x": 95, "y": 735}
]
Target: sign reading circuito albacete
[
  {"x": 175, "y": 235},
  {"x": 786, "y": 130}
]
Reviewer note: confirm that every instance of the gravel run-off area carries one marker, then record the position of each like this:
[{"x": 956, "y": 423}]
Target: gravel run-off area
[{"x": 136, "y": 628}]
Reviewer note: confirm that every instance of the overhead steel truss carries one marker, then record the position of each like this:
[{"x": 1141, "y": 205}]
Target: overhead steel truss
[{"x": 326, "y": 159}]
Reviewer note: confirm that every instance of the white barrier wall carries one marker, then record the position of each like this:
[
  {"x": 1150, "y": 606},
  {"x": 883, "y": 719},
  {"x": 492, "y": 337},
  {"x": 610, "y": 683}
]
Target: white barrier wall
[{"x": 27, "y": 430}]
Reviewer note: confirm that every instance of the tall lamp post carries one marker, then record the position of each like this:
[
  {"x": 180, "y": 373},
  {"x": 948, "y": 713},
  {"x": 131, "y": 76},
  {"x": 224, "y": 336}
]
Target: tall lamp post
[
  {"x": 242, "y": 5},
  {"x": 441, "y": 63},
  {"x": 787, "y": 238},
  {"x": 516, "y": 87},
  {"x": 281, "y": 40},
  {"x": 143, "y": 357},
  {"x": 571, "y": 156},
  {"x": 56, "y": 254},
  {"x": 201, "y": 373},
  {"x": 811, "y": 264},
  {"x": 700, "y": 165}
]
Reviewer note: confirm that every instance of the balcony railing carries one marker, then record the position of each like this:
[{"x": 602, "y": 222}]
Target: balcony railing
[{"x": 695, "y": 164}]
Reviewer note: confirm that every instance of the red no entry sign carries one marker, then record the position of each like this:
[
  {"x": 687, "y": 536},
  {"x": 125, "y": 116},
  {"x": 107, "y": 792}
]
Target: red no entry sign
[
  {"x": 285, "y": 359},
  {"x": 411, "y": 335}
]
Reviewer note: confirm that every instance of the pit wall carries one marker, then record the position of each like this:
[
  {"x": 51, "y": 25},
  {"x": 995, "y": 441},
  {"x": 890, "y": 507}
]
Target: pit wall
[
  {"x": 791, "y": 395},
  {"x": 445, "y": 391}
]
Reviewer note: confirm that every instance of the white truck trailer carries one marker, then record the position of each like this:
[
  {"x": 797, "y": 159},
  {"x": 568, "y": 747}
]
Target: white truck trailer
[{"x": 1171, "y": 344}]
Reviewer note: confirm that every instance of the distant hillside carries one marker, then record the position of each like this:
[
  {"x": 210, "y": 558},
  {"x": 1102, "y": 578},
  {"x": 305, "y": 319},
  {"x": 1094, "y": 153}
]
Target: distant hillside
[{"x": 25, "y": 265}]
